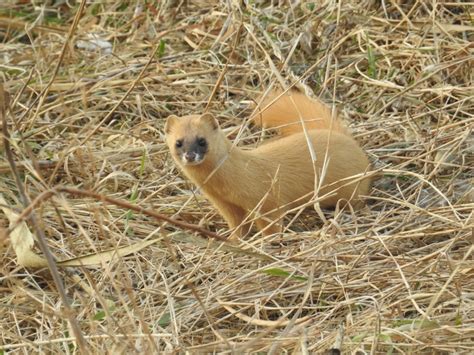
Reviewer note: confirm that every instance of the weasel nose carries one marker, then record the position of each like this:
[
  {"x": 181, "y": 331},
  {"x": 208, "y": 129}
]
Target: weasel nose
[{"x": 190, "y": 156}]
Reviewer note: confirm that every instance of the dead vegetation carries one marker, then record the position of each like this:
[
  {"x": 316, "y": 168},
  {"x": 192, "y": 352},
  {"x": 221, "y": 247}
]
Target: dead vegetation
[{"x": 89, "y": 94}]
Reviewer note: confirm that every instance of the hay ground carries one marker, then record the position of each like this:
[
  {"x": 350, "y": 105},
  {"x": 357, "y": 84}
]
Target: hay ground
[{"x": 394, "y": 277}]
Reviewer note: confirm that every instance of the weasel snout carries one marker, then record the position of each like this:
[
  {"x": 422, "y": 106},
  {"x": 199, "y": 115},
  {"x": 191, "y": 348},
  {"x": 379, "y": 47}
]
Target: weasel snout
[{"x": 191, "y": 158}]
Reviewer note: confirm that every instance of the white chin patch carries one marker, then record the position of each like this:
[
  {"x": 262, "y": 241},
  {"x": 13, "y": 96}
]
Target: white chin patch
[{"x": 197, "y": 160}]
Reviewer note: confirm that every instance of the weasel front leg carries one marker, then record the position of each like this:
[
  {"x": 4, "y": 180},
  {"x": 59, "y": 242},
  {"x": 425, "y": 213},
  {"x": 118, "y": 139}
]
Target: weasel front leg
[
  {"x": 263, "y": 224},
  {"x": 233, "y": 215}
]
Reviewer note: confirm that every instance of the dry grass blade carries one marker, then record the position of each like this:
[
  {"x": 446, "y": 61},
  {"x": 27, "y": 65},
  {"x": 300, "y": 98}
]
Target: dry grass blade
[
  {"x": 22, "y": 239},
  {"x": 394, "y": 277}
]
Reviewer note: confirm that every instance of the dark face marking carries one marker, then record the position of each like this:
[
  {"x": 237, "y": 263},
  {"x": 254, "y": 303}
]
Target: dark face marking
[
  {"x": 202, "y": 142},
  {"x": 191, "y": 151}
]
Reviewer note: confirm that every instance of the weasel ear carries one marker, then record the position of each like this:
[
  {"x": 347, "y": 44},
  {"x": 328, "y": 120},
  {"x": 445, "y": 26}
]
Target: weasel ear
[
  {"x": 170, "y": 122},
  {"x": 210, "y": 120}
]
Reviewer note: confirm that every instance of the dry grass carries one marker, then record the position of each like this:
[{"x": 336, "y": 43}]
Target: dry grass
[{"x": 397, "y": 276}]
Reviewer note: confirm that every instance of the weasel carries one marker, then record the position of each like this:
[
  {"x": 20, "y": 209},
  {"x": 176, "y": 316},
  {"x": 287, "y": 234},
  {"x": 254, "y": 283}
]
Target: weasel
[{"x": 262, "y": 183}]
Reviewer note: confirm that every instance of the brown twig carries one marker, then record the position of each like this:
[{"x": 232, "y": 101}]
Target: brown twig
[
  {"x": 73, "y": 191},
  {"x": 23, "y": 165},
  {"x": 139, "y": 209}
]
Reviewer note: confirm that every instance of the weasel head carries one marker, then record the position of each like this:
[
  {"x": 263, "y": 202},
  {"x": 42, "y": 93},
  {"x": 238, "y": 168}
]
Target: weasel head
[{"x": 192, "y": 139}]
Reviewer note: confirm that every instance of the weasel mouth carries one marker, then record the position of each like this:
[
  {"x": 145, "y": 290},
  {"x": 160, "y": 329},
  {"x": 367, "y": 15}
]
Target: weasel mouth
[
  {"x": 191, "y": 159},
  {"x": 191, "y": 163}
]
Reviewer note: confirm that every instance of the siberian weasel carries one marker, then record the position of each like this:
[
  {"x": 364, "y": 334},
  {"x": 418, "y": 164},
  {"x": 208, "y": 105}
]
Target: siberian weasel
[{"x": 262, "y": 183}]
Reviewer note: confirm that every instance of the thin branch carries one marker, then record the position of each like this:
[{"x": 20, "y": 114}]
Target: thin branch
[{"x": 73, "y": 191}]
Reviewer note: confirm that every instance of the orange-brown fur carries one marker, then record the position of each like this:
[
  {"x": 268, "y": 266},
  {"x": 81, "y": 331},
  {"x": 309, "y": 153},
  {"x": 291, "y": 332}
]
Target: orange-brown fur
[
  {"x": 285, "y": 111},
  {"x": 265, "y": 182}
]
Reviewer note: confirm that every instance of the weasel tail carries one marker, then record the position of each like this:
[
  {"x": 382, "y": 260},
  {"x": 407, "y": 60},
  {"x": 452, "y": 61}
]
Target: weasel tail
[
  {"x": 259, "y": 185},
  {"x": 285, "y": 111}
]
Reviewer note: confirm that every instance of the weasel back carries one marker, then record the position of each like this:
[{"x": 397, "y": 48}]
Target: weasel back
[{"x": 285, "y": 111}]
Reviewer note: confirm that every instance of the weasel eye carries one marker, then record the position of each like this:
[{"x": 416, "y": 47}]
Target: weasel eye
[
  {"x": 179, "y": 143},
  {"x": 202, "y": 142}
]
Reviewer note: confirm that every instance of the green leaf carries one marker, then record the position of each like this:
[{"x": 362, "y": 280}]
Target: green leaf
[
  {"x": 95, "y": 9},
  {"x": 400, "y": 322},
  {"x": 359, "y": 338},
  {"x": 142, "y": 163},
  {"x": 133, "y": 198},
  {"x": 165, "y": 320},
  {"x": 372, "y": 69},
  {"x": 70, "y": 345},
  {"x": 415, "y": 324},
  {"x": 33, "y": 145},
  {"x": 54, "y": 20},
  {"x": 282, "y": 273},
  {"x": 129, "y": 215},
  {"x": 123, "y": 6},
  {"x": 99, "y": 316},
  {"x": 161, "y": 48},
  {"x": 134, "y": 195}
]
